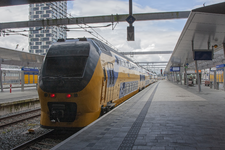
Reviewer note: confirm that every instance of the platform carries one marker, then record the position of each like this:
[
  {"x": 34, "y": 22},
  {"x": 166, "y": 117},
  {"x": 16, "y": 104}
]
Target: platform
[
  {"x": 164, "y": 116},
  {"x": 18, "y": 95}
]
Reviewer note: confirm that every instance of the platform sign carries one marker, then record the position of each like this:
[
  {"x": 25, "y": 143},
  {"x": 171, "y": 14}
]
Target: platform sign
[
  {"x": 130, "y": 19},
  {"x": 130, "y": 33},
  {"x": 29, "y": 69},
  {"x": 175, "y": 69},
  {"x": 203, "y": 55},
  {"x": 31, "y": 73},
  {"x": 220, "y": 66}
]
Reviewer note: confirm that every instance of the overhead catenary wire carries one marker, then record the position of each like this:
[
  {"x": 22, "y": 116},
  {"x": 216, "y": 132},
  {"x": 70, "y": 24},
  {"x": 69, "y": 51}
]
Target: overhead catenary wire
[
  {"x": 102, "y": 39},
  {"x": 98, "y": 36}
]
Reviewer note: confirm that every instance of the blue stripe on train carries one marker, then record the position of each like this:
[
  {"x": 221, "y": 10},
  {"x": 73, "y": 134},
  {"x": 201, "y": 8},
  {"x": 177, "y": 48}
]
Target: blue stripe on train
[{"x": 115, "y": 78}]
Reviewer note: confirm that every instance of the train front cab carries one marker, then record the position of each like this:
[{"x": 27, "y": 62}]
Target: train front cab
[{"x": 68, "y": 101}]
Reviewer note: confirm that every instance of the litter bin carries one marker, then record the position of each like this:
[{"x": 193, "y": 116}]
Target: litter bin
[{"x": 210, "y": 84}]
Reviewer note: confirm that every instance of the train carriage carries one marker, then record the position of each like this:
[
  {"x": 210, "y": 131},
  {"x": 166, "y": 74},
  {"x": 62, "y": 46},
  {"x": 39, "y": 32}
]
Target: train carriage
[{"x": 83, "y": 78}]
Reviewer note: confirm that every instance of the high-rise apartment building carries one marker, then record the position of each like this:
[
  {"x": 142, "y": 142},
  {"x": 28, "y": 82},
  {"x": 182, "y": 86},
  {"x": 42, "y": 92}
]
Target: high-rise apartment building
[{"x": 40, "y": 38}]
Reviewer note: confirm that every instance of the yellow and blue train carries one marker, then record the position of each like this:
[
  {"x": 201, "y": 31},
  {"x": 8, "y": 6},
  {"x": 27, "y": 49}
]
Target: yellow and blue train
[{"x": 83, "y": 78}]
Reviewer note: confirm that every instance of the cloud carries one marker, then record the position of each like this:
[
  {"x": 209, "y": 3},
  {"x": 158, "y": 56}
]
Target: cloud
[
  {"x": 210, "y": 2},
  {"x": 105, "y": 7},
  {"x": 149, "y": 35},
  {"x": 13, "y": 14},
  {"x": 12, "y": 40},
  {"x": 207, "y": 2}
]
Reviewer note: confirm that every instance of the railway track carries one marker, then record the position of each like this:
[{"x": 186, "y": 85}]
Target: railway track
[
  {"x": 16, "y": 118},
  {"x": 47, "y": 140}
]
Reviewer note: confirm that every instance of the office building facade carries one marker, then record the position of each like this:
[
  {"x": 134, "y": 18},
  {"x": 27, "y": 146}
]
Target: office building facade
[{"x": 40, "y": 38}]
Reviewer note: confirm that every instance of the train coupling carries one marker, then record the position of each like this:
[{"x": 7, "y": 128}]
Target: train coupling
[
  {"x": 62, "y": 111},
  {"x": 56, "y": 115}
]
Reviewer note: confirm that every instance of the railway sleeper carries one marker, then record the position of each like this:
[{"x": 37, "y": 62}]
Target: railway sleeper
[
  {"x": 46, "y": 144},
  {"x": 34, "y": 147}
]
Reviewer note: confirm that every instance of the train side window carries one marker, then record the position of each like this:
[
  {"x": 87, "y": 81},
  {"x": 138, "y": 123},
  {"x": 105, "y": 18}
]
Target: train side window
[
  {"x": 112, "y": 76},
  {"x": 104, "y": 73},
  {"x": 117, "y": 60},
  {"x": 130, "y": 88},
  {"x": 110, "y": 72}
]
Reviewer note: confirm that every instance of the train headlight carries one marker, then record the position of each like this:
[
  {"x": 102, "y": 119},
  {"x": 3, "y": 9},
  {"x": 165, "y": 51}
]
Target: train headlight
[
  {"x": 68, "y": 95},
  {"x": 52, "y": 95}
]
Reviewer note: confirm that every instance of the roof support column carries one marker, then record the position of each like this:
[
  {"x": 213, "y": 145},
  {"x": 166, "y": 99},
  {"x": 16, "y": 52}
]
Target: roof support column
[
  {"x": 185, "y": 76},
  {"x": 224, "y": 78},
  {"x": 168, "y": 77},
  {"x": 180, "y": 78},
  {"x": 209, "y": 74},
  {"x": 22, "y": 81},
  {"x": 224, "y": 49},
  {"x": 198, "y": 78},
  {"x": 214, "y": 80},
  {"x": 177, "y": 77},
  {"x": 19, "y": 78},
  {"x": 196, "y": 67},
  {"x": 224, "y": 68},
  {"x": 1, "y": 75},
  {"x": 174, "y": 77}
]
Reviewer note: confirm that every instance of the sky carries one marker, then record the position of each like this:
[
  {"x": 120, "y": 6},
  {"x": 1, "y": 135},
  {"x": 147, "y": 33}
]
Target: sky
[{"x": 159, "y": 35}]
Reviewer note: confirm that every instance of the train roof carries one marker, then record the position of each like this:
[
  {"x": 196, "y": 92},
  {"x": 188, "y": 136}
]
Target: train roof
[
  {"x": 105, "y": 48},
  {"x": 108, "y": 48}
]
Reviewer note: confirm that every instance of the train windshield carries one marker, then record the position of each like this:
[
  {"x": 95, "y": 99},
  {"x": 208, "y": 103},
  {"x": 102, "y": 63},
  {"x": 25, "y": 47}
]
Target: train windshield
[{"x": 67, "y": 66}]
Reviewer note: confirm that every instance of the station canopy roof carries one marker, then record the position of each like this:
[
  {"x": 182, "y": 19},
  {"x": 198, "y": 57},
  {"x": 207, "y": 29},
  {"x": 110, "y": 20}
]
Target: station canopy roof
[
  {"x": 204, "y": 28},
  {"x": 19, "y": 58}
]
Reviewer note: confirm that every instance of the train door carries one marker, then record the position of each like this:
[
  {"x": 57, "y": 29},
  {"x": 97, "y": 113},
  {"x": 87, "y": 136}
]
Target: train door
[
  {"x": 110, "y": 83},
  {"x": 140, "y": 88},
  {"x": 104, "y": 86}
]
